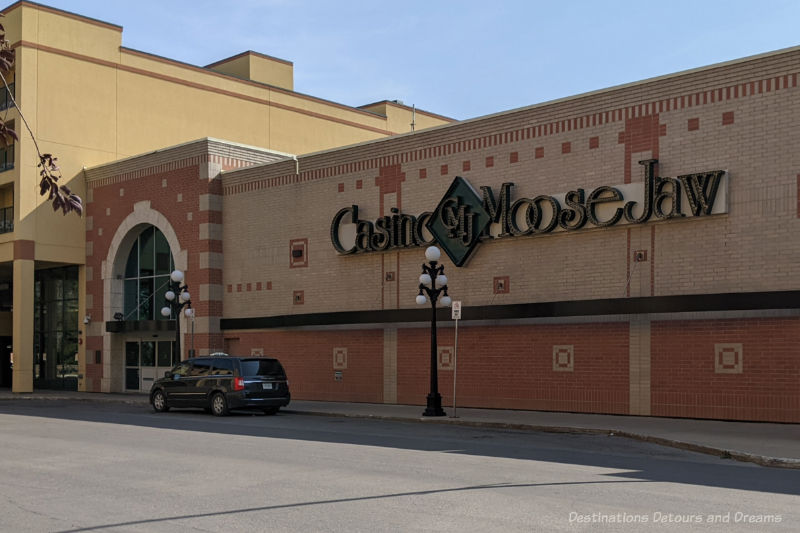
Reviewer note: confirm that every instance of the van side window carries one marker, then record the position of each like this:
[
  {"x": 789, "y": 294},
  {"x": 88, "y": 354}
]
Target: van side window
[
  {"x": 201, "y": 367},
  {"x": 222, "y": 367},
  {"x": 182, "y": 369}
]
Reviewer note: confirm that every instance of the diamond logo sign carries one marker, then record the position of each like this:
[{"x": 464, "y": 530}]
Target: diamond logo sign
[{"x": 458, "y": 221}]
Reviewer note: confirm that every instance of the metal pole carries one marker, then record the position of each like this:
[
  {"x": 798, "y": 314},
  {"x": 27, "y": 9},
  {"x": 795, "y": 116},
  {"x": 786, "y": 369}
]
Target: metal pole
[
  {"x": 455, "y": 369},
  {"x": 178, "y": 335},
  {"x": 434, "y": 407}
]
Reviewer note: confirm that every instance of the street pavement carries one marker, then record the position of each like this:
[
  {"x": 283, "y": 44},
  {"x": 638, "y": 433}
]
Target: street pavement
[{"x": 766, "y": 444}]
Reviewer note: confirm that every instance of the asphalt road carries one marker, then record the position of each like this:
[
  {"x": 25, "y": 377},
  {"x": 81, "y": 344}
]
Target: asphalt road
[{"x": 84, "y": 466}]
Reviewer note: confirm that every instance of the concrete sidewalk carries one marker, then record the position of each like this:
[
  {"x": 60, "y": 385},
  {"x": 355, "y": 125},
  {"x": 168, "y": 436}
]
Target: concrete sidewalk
[{"x": 766, "y": 444}]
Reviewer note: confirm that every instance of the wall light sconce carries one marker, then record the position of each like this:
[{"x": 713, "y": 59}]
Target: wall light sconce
[{"x": 87, "y": 319}]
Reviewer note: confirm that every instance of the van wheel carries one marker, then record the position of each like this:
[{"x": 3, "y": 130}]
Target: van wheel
[
  {"x": 219, "y": 406},
  {"x": 160, "y": 402},
  {"x": 271, "y": 410}
]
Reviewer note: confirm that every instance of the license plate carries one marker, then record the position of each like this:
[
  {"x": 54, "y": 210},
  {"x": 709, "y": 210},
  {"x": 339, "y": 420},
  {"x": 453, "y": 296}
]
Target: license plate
[{"x": 266, "y": 386}]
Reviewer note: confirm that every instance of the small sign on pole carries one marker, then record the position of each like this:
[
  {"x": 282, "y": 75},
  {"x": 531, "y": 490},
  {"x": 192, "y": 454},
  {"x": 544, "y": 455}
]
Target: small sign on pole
[
  {"x": 456, "y": 316},
  {"x": 457, "y": 310}
]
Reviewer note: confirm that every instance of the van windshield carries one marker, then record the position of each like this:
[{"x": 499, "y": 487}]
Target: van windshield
[{"x": 262, "y": 367}]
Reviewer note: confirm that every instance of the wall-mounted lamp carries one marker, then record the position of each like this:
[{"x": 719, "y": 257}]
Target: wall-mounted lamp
[{"x": 87, "y": 319}]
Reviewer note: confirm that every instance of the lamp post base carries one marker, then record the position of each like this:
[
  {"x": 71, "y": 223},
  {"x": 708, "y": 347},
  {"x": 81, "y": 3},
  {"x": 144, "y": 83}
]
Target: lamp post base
[{"x": 434, "y": 407}]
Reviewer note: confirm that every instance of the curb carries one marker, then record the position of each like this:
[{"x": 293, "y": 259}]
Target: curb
[{"x": 761, "y": 460}]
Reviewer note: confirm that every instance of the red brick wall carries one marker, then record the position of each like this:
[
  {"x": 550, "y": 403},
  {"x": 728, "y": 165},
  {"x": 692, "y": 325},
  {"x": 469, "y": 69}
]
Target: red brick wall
[
  {"x": 511, "y": 367},
  {"x": 307, "y": 357},
  {"x": 685, "y": 384}
]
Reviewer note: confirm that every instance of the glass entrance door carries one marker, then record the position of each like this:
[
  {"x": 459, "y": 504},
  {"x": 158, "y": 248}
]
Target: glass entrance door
[{"x": 145, "y": 361}]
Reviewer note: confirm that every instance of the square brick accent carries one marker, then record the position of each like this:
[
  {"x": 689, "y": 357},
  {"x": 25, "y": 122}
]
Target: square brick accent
[
  {"x": 446, "y": 358},
  {"x": 728, "y": 358},
  {"x": 566, "y": 147},
  {"x": 423, "y": 173},
  {"x": 490, "y": 161},
  {"x": 249, "y": 287},
  {"x": 269, "y": 285},
  {"x": 514, "y": 157},
  {"x": 564, "y": 358},
  {"x": 258, "y": 286},
  {"x": 727, "y": 118},
  {"x": 230, "y": 288},
  {"x": 340, "y": 358},
  {"x": 501, "y": 285},
  {"x": 594, "y": 142},
  {"x": 238, "y": 287},
  {"x": 539, "y": 152},
  {"x": 341, "y": 187},
  {"x": 694, "y": 124},
  {"x": 298, "y": 298},
  {"x": 359, "y": 184},
  {"x": 443, "y": 170},
  {"x": 465, "y": 166},
  {"x": 298, "y": 253}
]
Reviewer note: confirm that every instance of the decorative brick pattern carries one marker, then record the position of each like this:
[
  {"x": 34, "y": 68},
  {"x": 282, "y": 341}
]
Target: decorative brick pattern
[
  {"x": 693, "y": 124},
  {"x": 564, "y": 358},
  {"x": 501, "y": 285},
  {"x": 341, "y": 187},
  {"x": 256, "y": 351},
  {"x": 423, "y": 173},
  {"x": 359, "y": 184},
  {"x": 539, "y": 152},
  {"x": 340, "y": 358},
  {"x": 465, "y": 166},
  {"x": 513, "y": 157},
  {"x": 731, "y": 92},
  {"x": 298, "y": 253},
  {"x": 566, "y": 147},
  {"x": 728, "y": 358},
  {"x": 489, "y": 161},
  {"x": 446, "y": 358},
  {"x": 594, "y": 142},
  {"x": 727, "y": 118},
  {"x": 443, "y": 170}
]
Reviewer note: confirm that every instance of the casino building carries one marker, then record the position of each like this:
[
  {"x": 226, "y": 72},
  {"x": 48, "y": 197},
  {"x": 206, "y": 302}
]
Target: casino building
[
  {"x": 627, "y": 251},
  {"x": 89, "y": 100}
]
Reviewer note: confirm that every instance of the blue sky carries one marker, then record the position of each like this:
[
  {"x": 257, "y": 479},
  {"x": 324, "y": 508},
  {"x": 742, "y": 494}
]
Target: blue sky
[{"x": 460, "y": 58}]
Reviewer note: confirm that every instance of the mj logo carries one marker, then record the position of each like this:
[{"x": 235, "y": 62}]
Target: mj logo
[{"x": 458, "y": 221}]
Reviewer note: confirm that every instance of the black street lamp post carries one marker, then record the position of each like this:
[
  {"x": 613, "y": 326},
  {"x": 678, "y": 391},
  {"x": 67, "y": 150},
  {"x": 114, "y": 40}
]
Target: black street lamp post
[
  {"x": 174, "y": 306},
  {"x": 433, "y": 282}
]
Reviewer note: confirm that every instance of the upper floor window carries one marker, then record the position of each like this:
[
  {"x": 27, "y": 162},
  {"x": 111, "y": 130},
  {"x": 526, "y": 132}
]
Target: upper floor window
[
  {"x": 7, "y": 208},
  {"x": 6, "y": 100},
  {"x": 147, "y": 276},
  {"x": 7, "y": 152}
]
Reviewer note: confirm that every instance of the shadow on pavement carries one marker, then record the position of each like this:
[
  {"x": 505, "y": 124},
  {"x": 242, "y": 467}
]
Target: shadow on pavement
[{"x": 636, "y": 461}]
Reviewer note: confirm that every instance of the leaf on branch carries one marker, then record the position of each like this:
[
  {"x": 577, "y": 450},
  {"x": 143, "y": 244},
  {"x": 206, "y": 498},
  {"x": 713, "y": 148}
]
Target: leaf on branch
[{"x": 75, "y": 204}]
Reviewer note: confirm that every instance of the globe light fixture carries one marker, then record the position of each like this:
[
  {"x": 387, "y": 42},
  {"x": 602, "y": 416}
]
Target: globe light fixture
[{"x": 174, "y": 306}]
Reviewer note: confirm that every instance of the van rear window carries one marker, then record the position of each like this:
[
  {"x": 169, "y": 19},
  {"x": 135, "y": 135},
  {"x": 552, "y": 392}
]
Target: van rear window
[{"x": 262, "y": 367}]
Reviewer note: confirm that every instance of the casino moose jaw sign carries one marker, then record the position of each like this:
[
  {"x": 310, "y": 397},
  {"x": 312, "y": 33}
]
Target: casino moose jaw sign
[{"x": 464, "y": 217}]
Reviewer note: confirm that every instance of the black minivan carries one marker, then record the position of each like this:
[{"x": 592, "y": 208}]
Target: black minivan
[{"x": 219, "y": 383}]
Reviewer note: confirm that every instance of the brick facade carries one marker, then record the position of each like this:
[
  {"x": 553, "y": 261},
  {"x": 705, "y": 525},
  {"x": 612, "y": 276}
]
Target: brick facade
[{"x": 686, "y": 316}]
